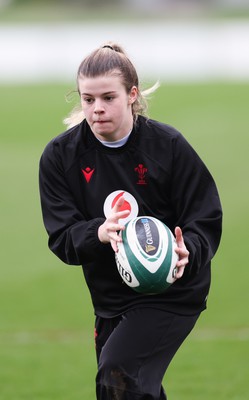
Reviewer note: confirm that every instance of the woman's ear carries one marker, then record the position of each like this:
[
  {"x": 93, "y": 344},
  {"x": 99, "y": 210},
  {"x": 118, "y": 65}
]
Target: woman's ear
[{"x": 133, "y": 95}]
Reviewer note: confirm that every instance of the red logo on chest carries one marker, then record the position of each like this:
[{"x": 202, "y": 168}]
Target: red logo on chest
[
  {"x": 141, "y": 171},
  {"x": 88, "y": 172}
]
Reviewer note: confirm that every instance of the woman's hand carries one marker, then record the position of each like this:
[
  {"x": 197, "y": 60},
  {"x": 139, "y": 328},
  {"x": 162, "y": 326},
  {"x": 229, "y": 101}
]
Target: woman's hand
[
  {"x": 182, "y": 252},
  {"x": 108, "y": 231}
]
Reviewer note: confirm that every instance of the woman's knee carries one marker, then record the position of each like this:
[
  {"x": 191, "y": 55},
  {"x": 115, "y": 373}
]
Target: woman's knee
[
  {"x": 119, "y": 382},
  {"x": 111, "y": 370}
]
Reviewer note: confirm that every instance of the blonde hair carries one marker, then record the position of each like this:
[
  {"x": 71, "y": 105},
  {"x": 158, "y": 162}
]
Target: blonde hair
[{"x": 106, "y": 59}]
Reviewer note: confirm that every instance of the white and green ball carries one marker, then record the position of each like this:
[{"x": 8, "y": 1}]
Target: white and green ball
[{"x": 146, "y": 257}]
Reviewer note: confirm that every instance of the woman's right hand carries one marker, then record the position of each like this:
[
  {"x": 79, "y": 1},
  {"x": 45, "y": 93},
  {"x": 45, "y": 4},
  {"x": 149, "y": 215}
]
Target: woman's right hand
[{"x": 108, "y": 231}]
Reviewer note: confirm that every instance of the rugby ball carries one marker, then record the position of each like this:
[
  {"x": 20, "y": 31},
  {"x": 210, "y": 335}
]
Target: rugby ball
[{"x": 146, "y": 257}]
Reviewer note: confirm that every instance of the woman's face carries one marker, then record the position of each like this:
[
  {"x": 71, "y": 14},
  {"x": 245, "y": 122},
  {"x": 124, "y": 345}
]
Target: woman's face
[{"x": 107, "y": 106}]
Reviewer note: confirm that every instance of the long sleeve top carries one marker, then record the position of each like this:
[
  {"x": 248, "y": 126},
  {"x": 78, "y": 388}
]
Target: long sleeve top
[{"x": 168, "y": 180}]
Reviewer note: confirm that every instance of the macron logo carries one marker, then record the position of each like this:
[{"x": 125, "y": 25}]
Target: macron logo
[{"x": 88, "y": 172}]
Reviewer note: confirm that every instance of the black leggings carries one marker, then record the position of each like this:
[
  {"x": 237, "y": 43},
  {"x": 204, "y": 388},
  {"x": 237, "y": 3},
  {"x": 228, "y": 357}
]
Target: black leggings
[{"x": 134, "y": 351}]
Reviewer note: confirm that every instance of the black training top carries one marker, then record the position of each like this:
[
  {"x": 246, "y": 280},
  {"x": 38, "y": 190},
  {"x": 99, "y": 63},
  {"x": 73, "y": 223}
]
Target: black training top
[{"x": 80, "y": 177}]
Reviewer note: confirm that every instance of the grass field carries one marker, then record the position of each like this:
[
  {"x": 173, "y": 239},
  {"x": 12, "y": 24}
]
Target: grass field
[
  {"x": 46, "y": 328},
  {"x": 21, "y": 11}
]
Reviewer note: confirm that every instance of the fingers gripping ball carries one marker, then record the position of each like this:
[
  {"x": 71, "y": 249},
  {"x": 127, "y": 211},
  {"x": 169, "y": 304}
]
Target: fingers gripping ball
[{"x": 146, "y": 257}]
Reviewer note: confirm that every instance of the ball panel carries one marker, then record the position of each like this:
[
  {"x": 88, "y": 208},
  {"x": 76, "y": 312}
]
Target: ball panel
[
  {"x": 124, "y": 267},
  {"x": 147, "y": 235},
  {"x": 174, "y": 258}
]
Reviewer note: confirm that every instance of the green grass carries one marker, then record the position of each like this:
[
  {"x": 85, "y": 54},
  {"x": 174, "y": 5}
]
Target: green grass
[
  {"x": 56, "y": 11},
  {"x": 46, "y": 329}
]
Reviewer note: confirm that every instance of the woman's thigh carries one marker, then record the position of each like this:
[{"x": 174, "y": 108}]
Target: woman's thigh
[{"x": 138, "y": 351}]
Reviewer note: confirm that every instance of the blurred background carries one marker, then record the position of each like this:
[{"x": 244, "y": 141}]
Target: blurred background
[
  {"x": 199, "y": 51},
  {"x": 188, "y": 39}
]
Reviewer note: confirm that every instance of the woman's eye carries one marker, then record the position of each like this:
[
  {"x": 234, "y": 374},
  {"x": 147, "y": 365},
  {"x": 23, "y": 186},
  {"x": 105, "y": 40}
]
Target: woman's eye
[
  {"x": 88, "y": 100},
  {"x": 109, "y": 98}
]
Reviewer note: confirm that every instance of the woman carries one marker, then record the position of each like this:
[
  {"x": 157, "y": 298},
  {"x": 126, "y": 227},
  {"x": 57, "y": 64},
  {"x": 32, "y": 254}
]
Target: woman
[{"x": 113, "y": 165}]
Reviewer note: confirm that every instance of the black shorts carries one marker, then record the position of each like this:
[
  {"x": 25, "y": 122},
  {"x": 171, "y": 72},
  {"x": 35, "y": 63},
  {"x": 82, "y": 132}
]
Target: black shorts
[{"x": 134, "y": 351}]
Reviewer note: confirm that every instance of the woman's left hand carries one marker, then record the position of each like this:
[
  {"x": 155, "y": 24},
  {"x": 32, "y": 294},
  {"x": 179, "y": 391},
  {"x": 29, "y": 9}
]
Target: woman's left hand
[{"x": 182, "y": 252}]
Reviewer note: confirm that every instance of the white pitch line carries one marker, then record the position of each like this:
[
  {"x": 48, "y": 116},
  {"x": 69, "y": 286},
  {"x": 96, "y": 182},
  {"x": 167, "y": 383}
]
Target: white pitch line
[{"x": 29, "y": 337}]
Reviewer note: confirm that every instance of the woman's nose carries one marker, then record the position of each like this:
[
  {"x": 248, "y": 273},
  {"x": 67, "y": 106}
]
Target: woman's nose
[{"x": 98, "y": 107}]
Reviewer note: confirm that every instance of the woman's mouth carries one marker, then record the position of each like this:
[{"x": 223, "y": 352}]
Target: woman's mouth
[{"x": 101, "y": 122}]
